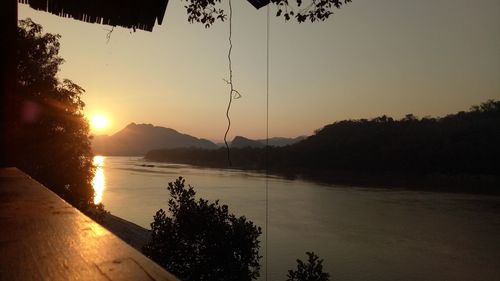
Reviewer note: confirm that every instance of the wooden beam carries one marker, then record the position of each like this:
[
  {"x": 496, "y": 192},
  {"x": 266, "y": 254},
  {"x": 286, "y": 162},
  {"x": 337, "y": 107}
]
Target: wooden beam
[
  {"x": 44, "y": 238},
  {"x": 133, "y": 14},
  {"x": 8, "y": 62}
]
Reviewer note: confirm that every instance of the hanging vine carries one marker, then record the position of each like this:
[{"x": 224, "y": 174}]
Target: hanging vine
[
  {"x": 207, "y": 12},
  {"x": 233, "y": 94}
]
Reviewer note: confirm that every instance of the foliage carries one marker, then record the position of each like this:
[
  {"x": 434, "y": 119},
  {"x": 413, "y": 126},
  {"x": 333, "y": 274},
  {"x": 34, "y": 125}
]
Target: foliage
[
  {"x": 462, "y": 143},
  {"x": 316, "y": 10},
  {"x": 206, "y": 11},
  {"x": 202, "y": 241},
  {"x": 48, "y": 134},
  {"x": 443, "y": 150},
  {"x": 97, "y": 212},
  {"x": 310, "y": 271}
]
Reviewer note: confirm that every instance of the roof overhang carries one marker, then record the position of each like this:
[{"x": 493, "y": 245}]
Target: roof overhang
[
  {"x": 134, "y": 14},
  {"x": 259, "y": 3}
]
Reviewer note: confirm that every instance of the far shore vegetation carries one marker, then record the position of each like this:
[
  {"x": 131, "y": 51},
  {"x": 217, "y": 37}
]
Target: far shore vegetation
[{"x": 458, "y": 152}]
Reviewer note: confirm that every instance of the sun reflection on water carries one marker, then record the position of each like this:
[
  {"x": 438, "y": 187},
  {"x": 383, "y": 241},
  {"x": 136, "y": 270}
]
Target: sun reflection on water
[{"x": 98, "y": 183}]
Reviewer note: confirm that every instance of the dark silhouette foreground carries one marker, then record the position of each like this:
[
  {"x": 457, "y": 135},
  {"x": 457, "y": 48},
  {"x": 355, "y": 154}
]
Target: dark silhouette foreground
[
  {"x": 457, "y": 152},
  {"x": 202, "y": 240},
  {"x": 46, "y": 134},
  {"x": 312, "y": 270}
]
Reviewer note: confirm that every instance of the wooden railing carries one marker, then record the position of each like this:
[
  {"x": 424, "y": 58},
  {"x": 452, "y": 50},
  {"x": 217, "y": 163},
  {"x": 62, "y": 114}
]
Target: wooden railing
[{"x": 42, "y": 237}]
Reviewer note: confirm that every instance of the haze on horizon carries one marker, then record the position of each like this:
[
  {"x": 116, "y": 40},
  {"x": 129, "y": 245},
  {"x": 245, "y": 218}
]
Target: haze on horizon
[{"x": 370, "y": 58}]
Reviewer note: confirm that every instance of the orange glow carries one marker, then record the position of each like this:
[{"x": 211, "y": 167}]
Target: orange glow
[
  {"x": 99, "y": 122},
  {"x": 98, "y": 183}
]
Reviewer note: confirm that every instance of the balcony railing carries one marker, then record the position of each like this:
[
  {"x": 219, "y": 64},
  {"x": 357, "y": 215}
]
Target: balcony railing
[{"x": 42, "y": 237}]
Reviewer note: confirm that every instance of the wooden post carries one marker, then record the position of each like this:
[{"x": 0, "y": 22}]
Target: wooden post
[{"x": 8, "y": 12}]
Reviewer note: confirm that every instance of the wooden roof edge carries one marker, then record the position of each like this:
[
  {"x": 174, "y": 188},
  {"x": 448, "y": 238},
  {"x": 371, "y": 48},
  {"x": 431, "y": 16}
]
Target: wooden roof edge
[
  {"x": 259, "y": 3},
  {"x": 134, "y": 14}
]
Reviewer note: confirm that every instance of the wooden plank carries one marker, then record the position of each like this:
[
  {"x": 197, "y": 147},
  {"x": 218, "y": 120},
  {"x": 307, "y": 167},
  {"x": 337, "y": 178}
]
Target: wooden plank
[{"x": 44, "y": 238}]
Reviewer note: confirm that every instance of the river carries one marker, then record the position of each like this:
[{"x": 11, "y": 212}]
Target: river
[{"x": 361, "y": 233}]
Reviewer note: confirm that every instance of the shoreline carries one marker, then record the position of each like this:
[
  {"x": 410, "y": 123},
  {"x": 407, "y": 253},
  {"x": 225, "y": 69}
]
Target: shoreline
[
  {"x": 430, "y": 182},
  {"x": 133, "y": 234}
]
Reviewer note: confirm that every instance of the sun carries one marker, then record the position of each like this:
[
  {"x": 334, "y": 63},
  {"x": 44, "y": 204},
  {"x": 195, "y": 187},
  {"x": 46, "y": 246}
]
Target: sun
[{"x": 99, "y": 122}]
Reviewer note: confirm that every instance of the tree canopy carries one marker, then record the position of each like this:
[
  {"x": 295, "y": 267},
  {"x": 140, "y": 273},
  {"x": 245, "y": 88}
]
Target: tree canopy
[
  {"x": 48, "y": 135},
  {"x": 458, "y": 151},
  {"x": 312, "y": 270},
  {"x": 208, "y": 11},
  {"x": 202, "y": 241}
]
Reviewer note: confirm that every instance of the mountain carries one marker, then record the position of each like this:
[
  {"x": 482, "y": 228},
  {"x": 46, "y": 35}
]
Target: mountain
[
  {"x": 280, "y": 141},
  {"x": 137, "y": 139},
  {"x": 458, "y": 152},
  {"x": 240, "y": 142}
]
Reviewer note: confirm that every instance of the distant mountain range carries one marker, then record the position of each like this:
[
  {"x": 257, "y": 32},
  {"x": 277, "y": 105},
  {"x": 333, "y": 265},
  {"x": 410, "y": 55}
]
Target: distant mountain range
[
  {"x": 138, "y": 139},
  {"x": 458, "y": 152},
  {"x": 241, "y": 142}
]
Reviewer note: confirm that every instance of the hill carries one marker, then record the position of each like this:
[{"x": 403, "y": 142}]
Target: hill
[
  {"x": 280, "y": 141},
  {"x": 137, "y": 139},
  {"x": 456, "y": 151},
  {"x": 241, "y": 142}
]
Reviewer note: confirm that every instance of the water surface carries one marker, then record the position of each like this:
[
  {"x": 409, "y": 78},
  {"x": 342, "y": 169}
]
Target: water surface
[{"x": 361, "y": 233}]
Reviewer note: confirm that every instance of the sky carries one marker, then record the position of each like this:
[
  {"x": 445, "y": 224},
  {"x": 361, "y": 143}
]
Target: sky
[{"x": 393, "y": 57}]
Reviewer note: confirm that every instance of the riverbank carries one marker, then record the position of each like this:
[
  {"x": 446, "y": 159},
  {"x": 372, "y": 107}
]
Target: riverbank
[
  {"x": 133, "y": 234},
  {"x": 435, "y": 182}
]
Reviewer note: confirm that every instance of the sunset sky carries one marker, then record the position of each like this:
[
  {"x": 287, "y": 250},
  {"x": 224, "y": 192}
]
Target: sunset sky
[{"x": 370, "y": 58}]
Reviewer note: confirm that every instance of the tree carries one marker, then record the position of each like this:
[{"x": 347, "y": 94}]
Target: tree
[
  {"x": 202, "y": 241},
  {"x": 310, "y": 271},
  {"x": 48, "y": 135},
  {"x": 206, "y": 11}
]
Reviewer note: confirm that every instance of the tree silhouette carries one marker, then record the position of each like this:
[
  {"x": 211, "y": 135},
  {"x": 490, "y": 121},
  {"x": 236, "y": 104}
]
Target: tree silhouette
[
  {"x": 457, "y": 152},
  {"x": 202, "y": 241},
  {"x": 310, "y": 271},
  {"x": 48, "y": 134},
  {"x": 207, "y": 11}
]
